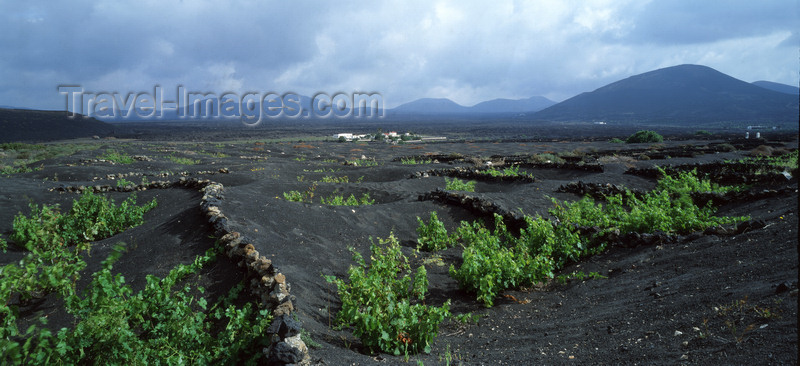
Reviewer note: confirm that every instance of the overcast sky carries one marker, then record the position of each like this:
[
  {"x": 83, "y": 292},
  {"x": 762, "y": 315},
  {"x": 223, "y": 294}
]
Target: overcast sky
[{"x": 466, "y": 51}]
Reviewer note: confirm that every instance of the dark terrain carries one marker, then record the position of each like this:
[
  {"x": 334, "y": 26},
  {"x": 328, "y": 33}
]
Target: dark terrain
[
  {"x": 35, "y": 125},
  {"x": 665, "y": 301}
]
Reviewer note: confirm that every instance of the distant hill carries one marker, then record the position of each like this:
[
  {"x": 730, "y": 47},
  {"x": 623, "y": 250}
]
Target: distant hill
[
  {"x": 531, "y": 104},
  {"x": 444, "y": 106},
  {"x": 430, "y": 106},
  {"x": 36, "y": 125},
  {"x": 778, "y": 87},
  {"x": 684, "y": 94}
]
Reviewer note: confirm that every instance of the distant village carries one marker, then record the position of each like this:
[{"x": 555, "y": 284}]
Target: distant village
[{"x": 388, "y": 137}]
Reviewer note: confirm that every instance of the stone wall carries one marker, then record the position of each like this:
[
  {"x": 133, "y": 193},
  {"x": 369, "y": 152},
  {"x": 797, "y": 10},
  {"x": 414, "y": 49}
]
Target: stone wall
[{"x": 265, "y": 282}]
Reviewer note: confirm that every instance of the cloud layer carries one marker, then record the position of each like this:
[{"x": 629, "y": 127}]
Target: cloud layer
[{"x": 468, "y": 52}]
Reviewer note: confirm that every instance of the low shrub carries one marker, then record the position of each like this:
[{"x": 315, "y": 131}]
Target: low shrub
[
  {"x": 339, "y": 200},
  {"x": 385, "y": 305},
  {"x": 512, "y": 171},
  {"x": 112, "y": 325},
  {"x": 363, "y": 162},
  {"x": 495, "y": 260},
  {"x": 293, "y": 196},
  {"x": 668, "y": 208},
  {"x": 160, "y": 324},
  {"x": 297, "y": 196},
  {"x": 92, "y": 217},
  {"x": 335, "y": 179},
  {"x": 117, "y": 157},
  {"x": 413, "y": 161},
  {"x": 433, "y": 235},
  {"x": 644, "y": 136},
  {"x": 456, "y": 184}
]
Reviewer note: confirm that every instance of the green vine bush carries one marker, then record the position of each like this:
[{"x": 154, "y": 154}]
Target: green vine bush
[
  {"x": 167, "y": 322},
  {"x": 512, "y": 171},
  {"x": 92, "y": 217},
  {"x": 433, "y": 235},
  {"x": 495, "y": 260},
  {"x": 339, "y": 200},
  {"x": 644, "y": 136},
  {"x": 385, "y": 305},
  {"x": 668, "y": 208},
  {"x": 413, "y": 161},
  {"x": 117, "y": 157},
  {"x": 456, "y": 184}
]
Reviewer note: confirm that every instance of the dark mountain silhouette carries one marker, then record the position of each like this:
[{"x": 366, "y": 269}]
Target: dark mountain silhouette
[
  {"x": 444, "y": 106},
  {"x": 684, "y": 94},
  {"x": 778, "y": 87},
  {"x": 36, "y": 125}
]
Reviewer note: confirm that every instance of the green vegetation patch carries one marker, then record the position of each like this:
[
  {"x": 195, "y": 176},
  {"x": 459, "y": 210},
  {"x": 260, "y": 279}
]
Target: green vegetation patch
[
  {"x": 362, "y": 162},
  {"x": 182, "y": 160},
  {"x": 92, "y": 217},
  {"x": 17, "y": 157},
  {"x": 340, "y": 200},
  {"x": 433, "y": 235},
  {"x": 385, "y": 305},
  {"x": 456, "y": 184},
  {"x": 167, "y": 322},
  {"x": 495, "y": 260},
  {"x": 335, "y": 179},
  {"x": 644, "y": 136},
  {"x": 413, "y": 161},
  {"x": 117, "y": 157},
  {"x": 512, "y": 171},
  {"x": 786, "y": 161}
]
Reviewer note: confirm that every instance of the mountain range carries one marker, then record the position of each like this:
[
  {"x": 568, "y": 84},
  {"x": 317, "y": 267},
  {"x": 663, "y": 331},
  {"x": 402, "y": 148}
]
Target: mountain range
[
  {"x": 683, "y": 94},
  {"x": 434, "y": 106}
]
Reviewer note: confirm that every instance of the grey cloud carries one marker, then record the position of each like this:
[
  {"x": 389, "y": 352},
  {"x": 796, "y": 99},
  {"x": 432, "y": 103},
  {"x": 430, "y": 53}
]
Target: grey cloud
[
  {"x": 692, "y": 22},
  {"x": 467, "y": 51}
]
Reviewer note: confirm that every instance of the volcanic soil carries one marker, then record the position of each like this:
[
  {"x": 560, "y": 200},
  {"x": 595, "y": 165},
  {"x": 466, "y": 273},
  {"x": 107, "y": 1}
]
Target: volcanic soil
[{"x": 714, "y": 297}]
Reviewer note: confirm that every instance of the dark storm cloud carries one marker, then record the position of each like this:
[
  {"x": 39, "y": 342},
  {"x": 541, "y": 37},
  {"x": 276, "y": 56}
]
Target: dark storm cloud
[
  {"x": 682, "y": 22},
  {"x": 466, "y": 51}
]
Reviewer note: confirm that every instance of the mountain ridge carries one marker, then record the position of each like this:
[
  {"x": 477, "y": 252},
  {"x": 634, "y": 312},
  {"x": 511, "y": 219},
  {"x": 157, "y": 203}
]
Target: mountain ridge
[
  {"x": 437, "y": 106},
  {"x": 778, "y": 87},
  {"x": 682, "y": 94}
]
